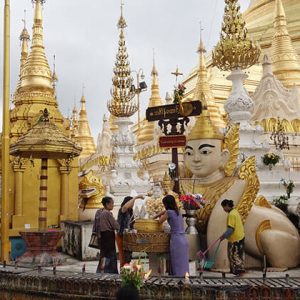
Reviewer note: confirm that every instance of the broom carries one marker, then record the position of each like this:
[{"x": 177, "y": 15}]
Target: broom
[{"x": 206, "y": 263}]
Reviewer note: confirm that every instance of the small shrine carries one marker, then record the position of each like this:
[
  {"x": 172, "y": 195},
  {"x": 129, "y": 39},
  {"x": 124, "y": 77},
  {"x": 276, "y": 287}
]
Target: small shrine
[{"x": 43, "y": 141}]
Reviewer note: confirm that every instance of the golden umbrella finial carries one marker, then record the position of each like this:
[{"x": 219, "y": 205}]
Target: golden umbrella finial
[
  {"x": 234, "y": 50},
  {"x": 122, "y": 92}
]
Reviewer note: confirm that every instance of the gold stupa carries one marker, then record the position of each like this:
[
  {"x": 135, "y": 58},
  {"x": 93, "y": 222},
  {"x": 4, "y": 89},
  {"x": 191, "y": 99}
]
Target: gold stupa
[
  {"x": 259, "y": 18},
  {"x": 285, "y": 61},
  {"x": 147, "y": 130},
  {"x": 83, "y": 136},
  {"x": 203, "y": 91},
  {"x": 34, "y": 92}
]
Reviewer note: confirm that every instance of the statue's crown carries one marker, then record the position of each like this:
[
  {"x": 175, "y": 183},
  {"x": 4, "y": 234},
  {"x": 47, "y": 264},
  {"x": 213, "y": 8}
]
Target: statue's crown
[
  {"x": 204, "y": 129},
  {"x": 167, "y": 177}
]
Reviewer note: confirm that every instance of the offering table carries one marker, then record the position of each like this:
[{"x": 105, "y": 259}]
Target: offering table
[{"x": 155, "y": 244}]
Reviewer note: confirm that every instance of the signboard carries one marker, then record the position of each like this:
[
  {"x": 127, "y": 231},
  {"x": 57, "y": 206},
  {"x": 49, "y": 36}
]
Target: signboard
[
  {"x": 173, "y": 111},
  {"x": 172, "y": 141}
]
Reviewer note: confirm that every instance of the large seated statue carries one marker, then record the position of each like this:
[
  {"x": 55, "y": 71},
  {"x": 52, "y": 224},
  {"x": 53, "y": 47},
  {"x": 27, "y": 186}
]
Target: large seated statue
[{"x": 212, "y": 159}]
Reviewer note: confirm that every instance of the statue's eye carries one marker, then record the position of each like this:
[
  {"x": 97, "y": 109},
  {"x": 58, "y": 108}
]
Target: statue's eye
[
  {"x": 188, "y": 152},
  {"x": 205, "y": 151}
]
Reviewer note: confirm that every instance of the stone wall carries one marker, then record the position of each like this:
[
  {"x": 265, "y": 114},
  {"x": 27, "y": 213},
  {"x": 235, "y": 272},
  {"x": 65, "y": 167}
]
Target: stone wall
[{"x": 25, "y": 284}]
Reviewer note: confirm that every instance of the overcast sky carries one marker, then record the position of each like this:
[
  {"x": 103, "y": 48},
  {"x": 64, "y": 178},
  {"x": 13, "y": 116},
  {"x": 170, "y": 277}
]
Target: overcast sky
[{"x": 84, "y": 38}]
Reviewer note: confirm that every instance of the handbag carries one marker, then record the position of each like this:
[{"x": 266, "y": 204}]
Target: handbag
[{"x": 94, "y": 241}]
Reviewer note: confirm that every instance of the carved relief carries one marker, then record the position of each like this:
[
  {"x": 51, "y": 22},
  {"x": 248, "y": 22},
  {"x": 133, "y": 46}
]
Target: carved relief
[{"x": 19, "y": 163}]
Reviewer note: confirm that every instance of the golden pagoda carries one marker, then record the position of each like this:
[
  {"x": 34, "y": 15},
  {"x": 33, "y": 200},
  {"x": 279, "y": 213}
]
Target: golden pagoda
[
  {"x": 259, "y": 18},
  {"x": 35, "y": 89},
  {"x": 147, "y": 130},
  {"x": 285, "y": 61},
  {"x": 203, "y": 91},
  {"x": 34, "y": 93},
  {"x": 83, "y": 137},
  {"x": 149, "y": 152}
]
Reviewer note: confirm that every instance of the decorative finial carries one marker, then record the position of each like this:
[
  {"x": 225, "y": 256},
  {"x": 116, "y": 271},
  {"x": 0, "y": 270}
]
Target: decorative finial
[
  {"x": 122, "y": 23},
  {"x": 153, "y": 53},
  {"x": 201, "y": 48},
  {"x": 24, "y": 35},
  {"x": 82, "y": 99},
  {"x": 54, "y": 76},
  {"x": 154, "y": 71},
  {"x": 176, "y": 73},
  {"x": 42, "y": 1},
  {"x": 24, "y": 20},
  {"x": 201, "y": 29},
  {"x": 122, "y": 92},
  {"x": 235, "y": 50}
]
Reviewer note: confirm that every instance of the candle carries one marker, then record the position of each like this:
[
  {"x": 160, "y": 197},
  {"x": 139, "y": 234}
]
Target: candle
[{"x": 187, "y": 278}]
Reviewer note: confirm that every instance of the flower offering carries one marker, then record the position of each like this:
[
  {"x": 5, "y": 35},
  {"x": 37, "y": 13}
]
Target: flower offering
[
  {"x": 134, "y": 274},
  {"x": 192, "y": 201}
]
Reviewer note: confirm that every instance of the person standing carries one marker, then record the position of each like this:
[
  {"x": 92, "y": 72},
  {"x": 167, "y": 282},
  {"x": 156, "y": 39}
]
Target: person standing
[
  {"x": 126, "y": 221},
  {"x": 179, "y": 248},
  {"x": 105, "y": 226},
  {"x": 236, "y": 238}
]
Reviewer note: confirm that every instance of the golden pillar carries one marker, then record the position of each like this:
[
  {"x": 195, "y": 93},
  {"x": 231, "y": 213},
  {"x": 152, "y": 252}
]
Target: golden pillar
[
  {"x": 5, "y": 244},
  {"x": 64, "y": 192},
  {"x": 43, "y": 195},
  {"x": 19, "y": 168}
]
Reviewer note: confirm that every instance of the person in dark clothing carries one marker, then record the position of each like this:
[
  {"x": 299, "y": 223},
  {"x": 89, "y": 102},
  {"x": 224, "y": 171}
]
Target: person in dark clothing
[
  {"x": 126, "y": 221},
  {"x": 105, "y": 226}
]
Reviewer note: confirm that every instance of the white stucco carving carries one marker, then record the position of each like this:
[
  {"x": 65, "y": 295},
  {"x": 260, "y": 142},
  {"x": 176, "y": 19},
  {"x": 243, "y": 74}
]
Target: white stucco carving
[{"x": 272, "y": 99}]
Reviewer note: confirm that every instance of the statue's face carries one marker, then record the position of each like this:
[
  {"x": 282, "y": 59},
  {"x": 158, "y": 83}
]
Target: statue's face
[{"x": 204, "y": 157}]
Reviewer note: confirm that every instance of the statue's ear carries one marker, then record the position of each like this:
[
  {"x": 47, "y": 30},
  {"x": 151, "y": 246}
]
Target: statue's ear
[{"x": 225, "y": 157}]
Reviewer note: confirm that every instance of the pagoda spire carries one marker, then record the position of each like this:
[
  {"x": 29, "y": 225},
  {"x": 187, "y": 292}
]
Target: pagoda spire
[
  {"x": 202, "y": 87},
  {"x": 286, "y": 65},
  {"x": 36, "y": 71},
  {"x": 147, "y": 131},
  {"x": 34, "y": 91},
  {"x": 203, "y": 91},
  {"x": 24, "y": 38},
  {"x": 122, "y": 103},
  {"x": 84, "y": 138},
  {"x": 54, "y": 76},
  {"x": 74, "y": 127},
  {"x": 155, "y": 99}
]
